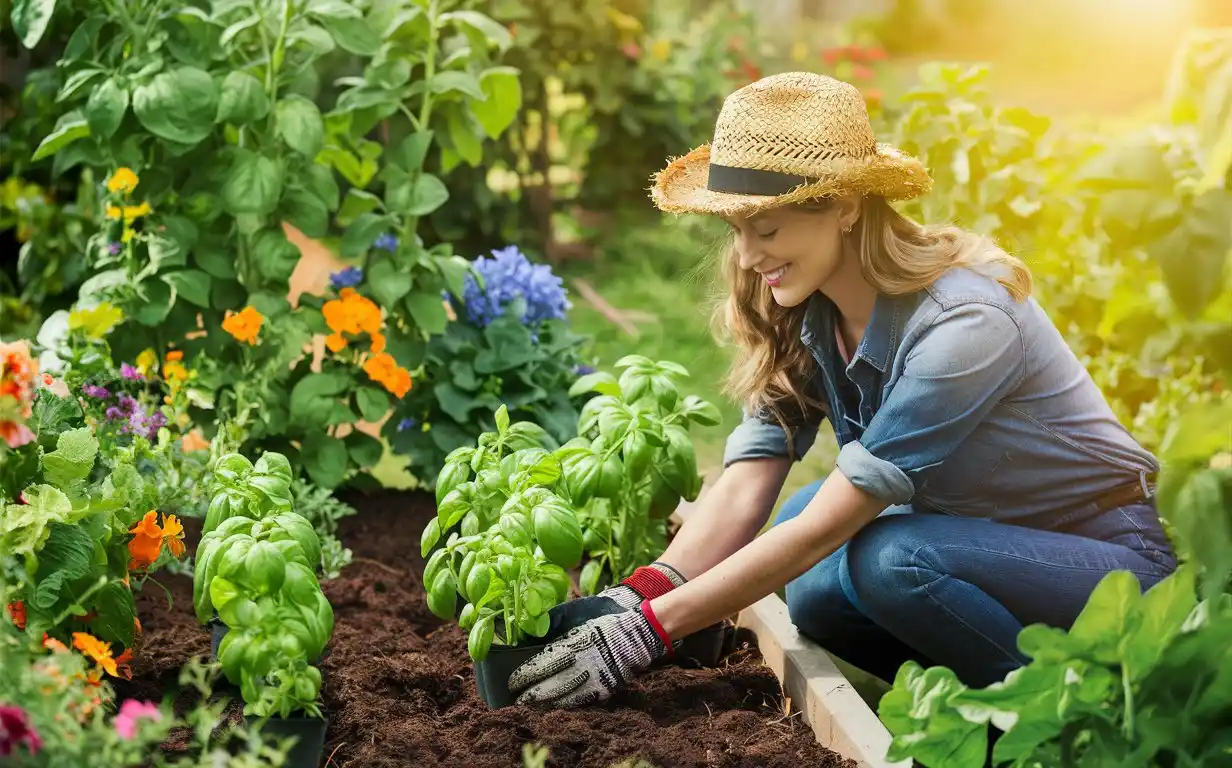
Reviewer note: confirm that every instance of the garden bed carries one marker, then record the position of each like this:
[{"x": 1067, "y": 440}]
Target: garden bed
[{"x": 399, "y": 689}]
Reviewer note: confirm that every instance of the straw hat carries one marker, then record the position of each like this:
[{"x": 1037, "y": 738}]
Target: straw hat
[{"x": 784, "y": 139}]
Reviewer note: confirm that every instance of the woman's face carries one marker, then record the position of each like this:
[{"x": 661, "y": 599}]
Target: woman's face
[{"x": 795, "y": 250}]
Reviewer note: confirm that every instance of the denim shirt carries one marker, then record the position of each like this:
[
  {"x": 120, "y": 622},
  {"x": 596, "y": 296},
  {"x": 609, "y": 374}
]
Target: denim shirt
[{"x": 963, "y": 401}]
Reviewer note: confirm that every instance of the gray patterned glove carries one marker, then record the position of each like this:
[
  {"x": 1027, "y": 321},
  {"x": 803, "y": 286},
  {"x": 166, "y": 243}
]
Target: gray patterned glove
[
  {"x": 647, "y": 582},
  {"x": 593, "y": 660}
]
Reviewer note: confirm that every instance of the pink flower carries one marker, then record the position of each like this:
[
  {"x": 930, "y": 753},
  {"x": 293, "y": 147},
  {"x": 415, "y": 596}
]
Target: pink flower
[
  {"x": 56, "y": 386},
  {"x": 16, "y": 731},
  {"x": 15, "y": 434},
  {"x": 130, "y": 712}
]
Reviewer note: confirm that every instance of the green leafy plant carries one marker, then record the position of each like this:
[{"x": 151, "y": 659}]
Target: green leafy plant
[
  {"x": 510, "y": 538},
  {"x": 215, "y": 134},
  {"x": 1138, "y": 680},
  {"x": 83, "y": 526},
  {"x": 255, "y": 569},
  {"x": 631, "y": 464}
]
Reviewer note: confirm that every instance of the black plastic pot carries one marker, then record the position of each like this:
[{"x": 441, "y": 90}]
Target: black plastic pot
[
  {"x": 704, "y": 647},
  {"x": 492, "y": 674},
  {"x": 309, "y": 733}
]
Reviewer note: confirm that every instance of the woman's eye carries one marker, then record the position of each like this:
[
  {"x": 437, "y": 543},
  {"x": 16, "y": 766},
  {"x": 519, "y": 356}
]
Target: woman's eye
[{"x": 767, "y": 235}]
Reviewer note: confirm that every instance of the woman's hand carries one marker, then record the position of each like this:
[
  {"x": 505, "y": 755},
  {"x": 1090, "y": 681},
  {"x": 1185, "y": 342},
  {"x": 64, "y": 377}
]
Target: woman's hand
[
  {"x": 590, "y": 662},
  {"x": 647, "y": 582}
]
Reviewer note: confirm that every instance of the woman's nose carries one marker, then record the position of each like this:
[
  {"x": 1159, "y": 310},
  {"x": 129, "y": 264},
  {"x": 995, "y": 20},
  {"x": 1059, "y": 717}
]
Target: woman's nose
[{"x": 750, "y": 255}]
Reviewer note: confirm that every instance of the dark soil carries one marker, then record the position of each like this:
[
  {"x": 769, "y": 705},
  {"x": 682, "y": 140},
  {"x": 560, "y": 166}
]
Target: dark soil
[{"x": 399, "y": 688}]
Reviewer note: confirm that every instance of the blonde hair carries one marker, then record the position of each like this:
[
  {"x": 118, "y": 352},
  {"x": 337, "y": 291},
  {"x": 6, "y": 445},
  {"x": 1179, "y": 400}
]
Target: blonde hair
[{"x": 770, "y": 373}]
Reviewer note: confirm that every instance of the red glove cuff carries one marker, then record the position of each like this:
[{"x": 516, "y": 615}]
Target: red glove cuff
[
  {"x": 653, "y": 621},
  {"x": 649, "y": 582}
]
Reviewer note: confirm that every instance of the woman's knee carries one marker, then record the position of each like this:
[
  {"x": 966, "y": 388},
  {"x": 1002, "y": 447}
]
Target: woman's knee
[{"x": 884, "y": 559}]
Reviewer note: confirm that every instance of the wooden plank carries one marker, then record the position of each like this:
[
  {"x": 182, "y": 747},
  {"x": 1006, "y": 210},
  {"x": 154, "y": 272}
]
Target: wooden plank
[{"x": 813, "y": 684}]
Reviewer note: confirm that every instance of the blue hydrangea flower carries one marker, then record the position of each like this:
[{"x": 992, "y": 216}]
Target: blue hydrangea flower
[
  {"x": 406, "y": 424},
  {"x": 386, "y": 242},
  {"x": 583, "y": 370},
  {"x": 508, "y": 276},
  {"x": 348, "y": 277}
]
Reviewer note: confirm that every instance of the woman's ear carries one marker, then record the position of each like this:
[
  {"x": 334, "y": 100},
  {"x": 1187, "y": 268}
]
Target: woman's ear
[{"x": 848, "y": 209}]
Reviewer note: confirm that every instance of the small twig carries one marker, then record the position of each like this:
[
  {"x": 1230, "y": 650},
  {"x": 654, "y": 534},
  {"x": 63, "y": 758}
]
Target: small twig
[
  {"x": 602, "y": 307},
  {"x": 378, "y": 564},
  {"x": 329, "y": 760}
]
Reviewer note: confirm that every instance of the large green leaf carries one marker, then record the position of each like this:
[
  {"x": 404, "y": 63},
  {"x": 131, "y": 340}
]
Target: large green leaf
[
  {"x": 69, "y": 128},
  {"x": 72, "y": 460},
  {"x": 503, "y": 90},
  {"x": 493, "y": 31},
  {"x": 373, "y": 403},
  {"x": 192, "y": 284},
  {"x": 325, "y": 459},
  {"x": 274, "y": 255},
  {"x": 178, "y": 106},
  {"x": 428, "y": 311},
  {"x": 116, "y": 612},
  {"x": 388, "y": 283},
  {"x": 314, "y": 400},
  {"x": 30, "y": 19},
  {"x": 466, "y": 140},
  {"x": 25, "y": 527},
  {"x": 510, "y": 346},
  {"x": 352, "y": 35},
  {"x": 427, "y": 194},
  {"x": 299, "y": 124},
  {"x": 457, "y": 81},
  {"x": 364, "y": 449},
  {"x": 106, "y": 107},
  {"x": 361, "y": 233},
  {"x": 64, "y": 558},
  {"x": 242, "y": 100},
  {"x": 253, "y": 185},
  {"x": 305, "y": 211}
]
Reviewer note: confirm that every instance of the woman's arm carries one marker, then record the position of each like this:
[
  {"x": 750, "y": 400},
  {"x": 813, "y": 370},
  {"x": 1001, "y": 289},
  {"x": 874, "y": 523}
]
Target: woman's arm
[
  {"x": 728, "y": 516},
  {"x": 836, "y": 513}
]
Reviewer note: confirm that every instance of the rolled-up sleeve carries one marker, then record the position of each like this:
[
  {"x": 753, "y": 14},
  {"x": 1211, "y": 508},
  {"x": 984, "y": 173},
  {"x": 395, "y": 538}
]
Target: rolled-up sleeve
[
  {"x": 954, "y": 375},
  {"x": 759, "y": 438}
]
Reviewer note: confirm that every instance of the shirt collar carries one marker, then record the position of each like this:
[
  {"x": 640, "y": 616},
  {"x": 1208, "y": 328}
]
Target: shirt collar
[{"x": 880, "y": 336}]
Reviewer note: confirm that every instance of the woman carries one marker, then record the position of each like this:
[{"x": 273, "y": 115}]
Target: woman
[{"x": 983, "y": 483}]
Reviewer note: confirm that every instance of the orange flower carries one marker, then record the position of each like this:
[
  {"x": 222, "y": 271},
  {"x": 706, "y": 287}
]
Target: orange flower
[
  {"x": 384, "y": 369},
  {"x": 124, "y": 664},
  {"x": 173, "y": 533},
  {"x": 245, "y": 325},
  {"x": 147, "y": 542},
  {"x": 96, "y": 649},
  {"x": 378, "y": 343},
  {"x": 175, "y": 354},
  {"x": 350, "y": 313},
  {"x": 54, "y": 645},
  {"x": 174, "y": 371},
  {"x": 194, "y": 441},
  {"x": 17, "y": 609},
  {"x": 136, "y": 623}
]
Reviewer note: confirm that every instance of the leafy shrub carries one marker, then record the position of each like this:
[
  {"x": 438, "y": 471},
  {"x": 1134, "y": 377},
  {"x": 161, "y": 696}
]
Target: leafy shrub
[
  {"x": 511, "y": 345},
  {"x": 212, "y": 130}
]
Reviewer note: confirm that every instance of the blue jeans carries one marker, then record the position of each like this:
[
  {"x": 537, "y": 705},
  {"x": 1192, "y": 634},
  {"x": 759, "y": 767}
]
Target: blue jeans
[{"x": 956, "y": 591}]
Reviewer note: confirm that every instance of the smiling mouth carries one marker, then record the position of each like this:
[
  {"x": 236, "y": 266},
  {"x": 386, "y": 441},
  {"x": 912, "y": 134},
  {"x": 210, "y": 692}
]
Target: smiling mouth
[{"x": 775, "y": 277}]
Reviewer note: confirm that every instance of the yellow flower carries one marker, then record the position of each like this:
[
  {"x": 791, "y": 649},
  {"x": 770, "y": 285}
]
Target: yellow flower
[
  {"x": 96, "y": 322},
  {"x": 174, "y": 371},
  {"x": 661, "y": 49},
  {"x": 145, "y": 362},
  {"x": 128, "y": 234},
  {"x": 123, "y": 180},
  {"x": 129, "y": 212},
  {"x": 96, "y": 649}
]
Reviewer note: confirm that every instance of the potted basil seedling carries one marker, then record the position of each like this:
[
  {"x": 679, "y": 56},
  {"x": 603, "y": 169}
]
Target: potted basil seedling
[
  {"x": 507, "y": 560},
  {"x": 257, "y": 575}
]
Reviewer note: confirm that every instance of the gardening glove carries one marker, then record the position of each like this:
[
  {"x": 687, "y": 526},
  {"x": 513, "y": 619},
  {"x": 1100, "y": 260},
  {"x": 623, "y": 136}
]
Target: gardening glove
[
  {"x": 646, "y": 583},
  {"x": 593, "y": 660}
]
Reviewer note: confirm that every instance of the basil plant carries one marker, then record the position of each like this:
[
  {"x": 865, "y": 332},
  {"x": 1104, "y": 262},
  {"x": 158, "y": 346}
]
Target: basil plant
[
  {"x": 255, "y": 569},
  {"x": 631, "y": 464},
  {"x": 510, "y": 538}
]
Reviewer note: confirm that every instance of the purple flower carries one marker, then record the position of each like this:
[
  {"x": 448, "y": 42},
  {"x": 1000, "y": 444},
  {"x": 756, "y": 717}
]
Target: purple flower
[
  {"x": 115, "y": 248},
  {"x": 348, "y": 277},
  {"x": 130, "y": 372},
  {"x": 583, "y": 370},
  {"x": 386, "y": 242},
  {"x": 509, "y": 276},
  {"x": 95, "y": 391},
  {"x": 406, "y": 424},
  {"x": 135, "y": 419}
]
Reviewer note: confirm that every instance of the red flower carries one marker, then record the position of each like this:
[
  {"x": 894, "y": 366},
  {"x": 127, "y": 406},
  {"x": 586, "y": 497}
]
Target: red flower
[
  {"x": 832, "y": 55},
  {"x": 876, "y": 53},
  {"x": 873, "y": 95},
  {"x": 751, "y": 70},
  {"x": 16, "y": 731},
  {"x": 631, "y": 50},
  {"x": 861, "y": 72},
  {"x": 17, "y": 609},
  {"x": 855, "y": 52}
]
